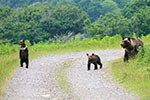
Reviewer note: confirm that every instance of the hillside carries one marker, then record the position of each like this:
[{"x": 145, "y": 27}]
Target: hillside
[{"x": 94, "y": 8}]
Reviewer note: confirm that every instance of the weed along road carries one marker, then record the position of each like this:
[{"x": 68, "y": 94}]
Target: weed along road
[{"x": 65, "y": 77}]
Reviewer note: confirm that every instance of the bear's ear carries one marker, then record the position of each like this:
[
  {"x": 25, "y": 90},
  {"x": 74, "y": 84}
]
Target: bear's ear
[
  {"x": 87, "y": 54},
  {"x": 129, "y": 38},
  {"x": 92, "y": 54}
]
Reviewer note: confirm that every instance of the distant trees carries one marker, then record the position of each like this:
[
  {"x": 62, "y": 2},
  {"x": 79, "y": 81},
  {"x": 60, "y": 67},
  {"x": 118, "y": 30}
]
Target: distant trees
[
  {"x": 122, "y": 3},
  {"x": 94, "y": 8},
  {"x": 43, "y": 22},
  {"x": 134, "y": 18},
  {"x": 140, "y": 22},
  {"x": 111, "y": 24},
  {"x": 69, "y": 19},
  {"x": 4, "y": 12},
  {"x": 134, "y": 7},
  {"x": 109, "y": 6}
]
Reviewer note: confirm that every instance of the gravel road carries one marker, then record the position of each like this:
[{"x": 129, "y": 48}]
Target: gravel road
[{"x": 39, "y": 81}]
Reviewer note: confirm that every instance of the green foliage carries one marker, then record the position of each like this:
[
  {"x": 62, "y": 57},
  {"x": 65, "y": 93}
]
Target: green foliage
[
  {"x": 96, "y": 29},
  {"x": 124, "y": 24},
  {"x": 140, "y": 22},
  {"x": 134, "y": 35},
  {"x": 109, "y": 6},
  {"x": 68, "y": 19},
  {"x": 111, "y": 24},
  {"x": 122, "y": 3},
  {"x": 85, "y": 44},
  {"x": 136, "y": 73},
  {"x": 4, "y": 12},
  {"x": 94, "y": 8},
  {"x": 134, "y": 6},
  {"x": 7, "y": 48},
  {"x": 40, "y": 23},
  {"x": 144, "y": 61}
]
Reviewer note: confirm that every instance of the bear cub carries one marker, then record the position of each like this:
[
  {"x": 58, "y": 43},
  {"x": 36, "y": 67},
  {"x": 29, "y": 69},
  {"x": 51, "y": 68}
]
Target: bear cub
[
  {"x": 23, "y": 54},
  {"x": 131, "y": 46},
  {"x": 94, "y": 59}
]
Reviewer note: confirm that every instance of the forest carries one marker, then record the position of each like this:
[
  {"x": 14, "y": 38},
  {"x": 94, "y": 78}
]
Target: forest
[{"x": 48, "y": 20}]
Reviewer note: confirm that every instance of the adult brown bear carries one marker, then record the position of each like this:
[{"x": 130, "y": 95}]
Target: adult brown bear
[
  {"x": 95, "y": 59},
  {"x": 23, "y": 54},
  {"x": 131, "y": 46}
]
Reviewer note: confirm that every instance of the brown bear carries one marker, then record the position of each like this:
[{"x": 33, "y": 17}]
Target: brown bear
[
  {"x": 131, "y": 46},
  {"x": 94, "y": 59},
  {"x": 23, "y": 54}
]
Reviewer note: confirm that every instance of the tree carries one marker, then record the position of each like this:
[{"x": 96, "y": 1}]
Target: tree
[
  {"x": 111, "y": 24},
  {"x": 40, "y": 22},
  {"x": 68, "y": 18},
  {"x": 134, "y": 6},
  {"x": 140, "y": 22},
  {"x": 109, "y": 6},
  {"x": 96, "y": 29},
  {"x": 122, "y": 3},
  {"x": 5, "y": 12}
]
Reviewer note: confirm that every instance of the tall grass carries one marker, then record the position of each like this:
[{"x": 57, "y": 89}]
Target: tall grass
[{"x": 135, "y": 74}]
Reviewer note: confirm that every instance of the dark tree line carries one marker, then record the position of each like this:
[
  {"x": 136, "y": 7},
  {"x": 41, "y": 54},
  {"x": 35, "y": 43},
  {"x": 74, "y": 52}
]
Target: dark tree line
[
  {"x": 94, "y": 8},
  {"x": 41, "y": 21}
]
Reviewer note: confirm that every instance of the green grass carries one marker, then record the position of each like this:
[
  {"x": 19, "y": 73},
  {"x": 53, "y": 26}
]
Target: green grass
[
  {"x": 62, "y": 78},
  {"x": 135, "y": 75}
]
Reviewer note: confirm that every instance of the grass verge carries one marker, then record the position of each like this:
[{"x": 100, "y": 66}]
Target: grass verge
[
  {"x": 134, "y": 76},
  {"x": 62, "y": 78}
]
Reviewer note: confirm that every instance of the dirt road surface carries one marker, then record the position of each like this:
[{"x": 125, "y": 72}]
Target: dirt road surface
[{"x": 39, "y": 82}]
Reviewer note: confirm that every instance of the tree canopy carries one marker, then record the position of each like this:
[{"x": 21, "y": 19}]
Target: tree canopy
[
  {"x": 46, "y": 19},
  {"x": 43, "y": 22},
  {"x": 94, "y": 8}
]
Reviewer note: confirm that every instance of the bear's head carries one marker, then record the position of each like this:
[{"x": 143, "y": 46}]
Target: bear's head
[
  {"x": 126, "y": 42},
  {"x": 90, "y": 57},
  {"x": 22, "y": 43}
]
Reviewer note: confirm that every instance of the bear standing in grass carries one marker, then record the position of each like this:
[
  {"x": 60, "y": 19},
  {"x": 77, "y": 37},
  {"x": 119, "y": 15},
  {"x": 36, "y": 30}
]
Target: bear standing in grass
[
  {"x": 131, "y": 46},
  {"x": 23, "y": 53},
  {"x": 95, "y": 59}
]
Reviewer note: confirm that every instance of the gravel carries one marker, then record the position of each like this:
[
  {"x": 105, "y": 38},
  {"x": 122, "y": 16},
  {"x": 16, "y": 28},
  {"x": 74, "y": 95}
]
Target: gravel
[{"x": 39, "y": 81}]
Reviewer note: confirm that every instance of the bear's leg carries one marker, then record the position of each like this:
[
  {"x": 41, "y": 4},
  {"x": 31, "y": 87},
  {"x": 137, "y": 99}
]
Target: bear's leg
[
  {"x": 135, "y": 50},
  {"x": 21, "y": 63},
  {"x": 100, "y": 65},
  {"x": 27, "y": 63},
  {"x": 89, "y": 65},
  {"x": 95, "y": 66},
  {"x": 126, "y": 56}
]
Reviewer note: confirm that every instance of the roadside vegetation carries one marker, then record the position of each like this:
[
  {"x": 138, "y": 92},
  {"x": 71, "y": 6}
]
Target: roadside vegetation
[
  {"x": 135, "y": 75},
  {"x": 62, "y": 78}
]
